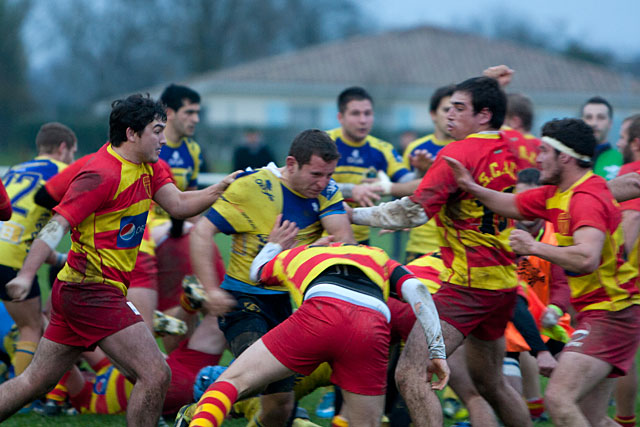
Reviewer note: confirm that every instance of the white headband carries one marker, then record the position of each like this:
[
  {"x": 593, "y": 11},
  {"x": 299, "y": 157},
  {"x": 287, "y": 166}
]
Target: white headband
[{"x": 558, "y": 145}]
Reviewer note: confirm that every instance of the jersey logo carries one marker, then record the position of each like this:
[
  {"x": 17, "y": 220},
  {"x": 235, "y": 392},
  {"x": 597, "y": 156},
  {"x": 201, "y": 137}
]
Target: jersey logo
[
  {"x": 564, "y": 220},
  {"x": 330, "y": 189},
  {"x": 266, "y": 187},
  {"x": 315, "y": 206},
  {"x": 100, "y": 386},
  {"x": 176, "y": 160},
  {"x": 355, "y": 158},
  {"x": 577, "y": 338},
  {"x": 131, "y": 231},
  {"x": 146, "y": 181}
]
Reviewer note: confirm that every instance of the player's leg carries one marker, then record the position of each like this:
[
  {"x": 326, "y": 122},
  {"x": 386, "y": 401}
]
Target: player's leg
[
  {"x": 49, "y": 364},
  {"x": 596, "y": 402},
  {"x": 363, "y": 410},
  {"x": 484, "y": 360},
  {"x": 247, "y": 375},
  {"x": 480, "y": 412},
  {"x": 27, "y": 316},
  {"x": 575, "y": 376},
  {"x": 138, "y": 357},
  {"x": 411, "y": 374},
  {"x": 626, "y": 393},
  {"x": 146, "y": 301}
]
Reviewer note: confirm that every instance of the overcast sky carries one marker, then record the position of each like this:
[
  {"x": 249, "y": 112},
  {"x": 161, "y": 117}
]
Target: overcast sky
[{"x": 613, "y": 24}]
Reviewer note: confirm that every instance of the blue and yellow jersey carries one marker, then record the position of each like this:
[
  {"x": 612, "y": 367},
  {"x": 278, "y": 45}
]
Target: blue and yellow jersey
[
  {"x": 22, "y": 182},
  {"x": 356, "y": 158},
  {"x": 184, "y": 159},
  {"x": 248, "y": 209},
  {"x": 424, "y": 239}
]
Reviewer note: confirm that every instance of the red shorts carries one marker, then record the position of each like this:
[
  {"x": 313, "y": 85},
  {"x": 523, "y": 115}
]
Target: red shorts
[
  {"x": 185, "y": 365},
  {"x": 145, "y": 272},
  {"x": 402, "y": 319},
  {"x": 611, "y": 336},
  {"x": 83, "y": 314},
  {"x": 480, "y": 312},
  {"x": 353, "y": 339}
]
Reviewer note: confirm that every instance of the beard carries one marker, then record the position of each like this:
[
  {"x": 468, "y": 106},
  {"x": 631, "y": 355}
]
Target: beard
[{"x": 551, "y": 177}]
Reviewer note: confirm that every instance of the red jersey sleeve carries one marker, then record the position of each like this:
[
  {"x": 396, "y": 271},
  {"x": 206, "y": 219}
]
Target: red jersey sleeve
[
  {"x": 88, "y": 190},
  {"x": 437, "y": 184},
  {"x": 533, "y": 203},
  {"x": 633, "y": 204},
  {"x": 5, "y": 204},
  {"x": 161, "y": 175},
  {"x": 587, "y": 210},
  {"x": 59, "y": 183}
]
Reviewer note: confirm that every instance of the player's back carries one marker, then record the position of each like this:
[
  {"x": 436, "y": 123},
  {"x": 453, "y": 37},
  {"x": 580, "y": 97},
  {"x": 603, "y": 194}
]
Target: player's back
[{"x": 22, "y": 182}]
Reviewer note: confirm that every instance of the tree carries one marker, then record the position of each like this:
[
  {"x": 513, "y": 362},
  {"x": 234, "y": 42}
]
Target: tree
[{"x": 14, "y": 92}]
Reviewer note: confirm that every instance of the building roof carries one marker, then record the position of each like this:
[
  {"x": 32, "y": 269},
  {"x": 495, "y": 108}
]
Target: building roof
[{"x": 424, "y": 57}]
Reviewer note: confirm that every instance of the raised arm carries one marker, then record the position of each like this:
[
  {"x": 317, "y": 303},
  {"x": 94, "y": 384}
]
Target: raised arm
[
  {"x": 185, "y": 204},
  {"x": 503, "y": 204}
]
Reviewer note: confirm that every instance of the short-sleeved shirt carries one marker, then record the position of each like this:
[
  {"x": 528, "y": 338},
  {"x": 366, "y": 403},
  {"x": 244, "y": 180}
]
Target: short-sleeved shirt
[
  {"x": 247, "y": 210},
  {"x": 22, "y": 182},
  {"x": 474, "y": 241},
  {"x": 296, "y": 268},
  {"x": 107, "y": 205},
  {"x": 356, "y": 158},
  {"x": 424, "y": 239},
  {"x": 525, "y": 147},
  {"x": 587, "y": 203}
]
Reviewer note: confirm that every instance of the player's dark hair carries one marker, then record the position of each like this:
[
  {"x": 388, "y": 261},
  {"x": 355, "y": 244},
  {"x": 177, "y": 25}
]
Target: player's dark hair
[
  {"x": 51, "y": 135},
  {"x": 437, "y": 96},
  {"x": 350, "y": 94},
  {"x": 135, "y": 112},
  {"x": 575, "y": 134},
  {"x": 529, "y": 176},
  {"x": 313, "y": 142},
  {"x": 520, "y": 105},
  {"x": 486, "y": 93},
  {"x": 633, "y": 131},
  {"x": 174, "y": 95},
  {"x": 598, "y": 100}
]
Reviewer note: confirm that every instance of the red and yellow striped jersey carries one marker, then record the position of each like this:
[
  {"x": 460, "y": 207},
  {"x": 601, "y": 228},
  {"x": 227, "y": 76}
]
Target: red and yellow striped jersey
[
  {"x": 474, "y": 242},
  {"x": 296, "y": 268},
  {"x": 427, "y": 269},
  {"x": 107, "y": 205},
  {"x": 588, "y": 203},
  {"x": 524, "y": 146}
]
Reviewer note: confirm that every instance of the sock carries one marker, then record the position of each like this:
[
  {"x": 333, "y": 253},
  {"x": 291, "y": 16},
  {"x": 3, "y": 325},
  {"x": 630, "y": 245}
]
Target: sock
[
  {"x": 23, "y": 355},
  {"x": 60, "y": 391},
  {"x": 536, "y": 407},
  {"x": 628, "y": 421},
  {"x": 82, "y": 400},
  {"x": 186, "y": 304},
  {"x": 214, "y": 405},
  {"x": 338, "y": 421}
]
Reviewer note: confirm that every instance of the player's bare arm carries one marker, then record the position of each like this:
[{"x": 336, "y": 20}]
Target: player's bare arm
[
  {"x": 201, "y": 254},
  {"x": 625, "y": 187},
  {"x": 185, "y": 204},
  {"x": 583, "y": 257},
  {"x": 42, "y": 247},
  {"x": 338, "y": 226},
  {"x": 503, "y": 204}
]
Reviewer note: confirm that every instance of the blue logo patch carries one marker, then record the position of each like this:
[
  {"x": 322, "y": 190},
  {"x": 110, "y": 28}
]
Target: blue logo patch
[{"x": 131, "y": 231}]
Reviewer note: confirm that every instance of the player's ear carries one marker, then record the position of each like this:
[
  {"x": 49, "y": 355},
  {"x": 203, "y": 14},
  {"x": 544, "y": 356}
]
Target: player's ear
[
  {"x": 131, "y": 134},
  {"x": 291, "y": 163}
]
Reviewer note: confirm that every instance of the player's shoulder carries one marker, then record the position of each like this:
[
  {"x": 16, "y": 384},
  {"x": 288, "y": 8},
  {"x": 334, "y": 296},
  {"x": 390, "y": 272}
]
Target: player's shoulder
[
  {"x": 417, "y": 143},
  {"x": 191, "y": 144},
  {"x": 379, "y": 144},
  {"x": 330, "y": 190},
  {"x": 335, "y": 134}
]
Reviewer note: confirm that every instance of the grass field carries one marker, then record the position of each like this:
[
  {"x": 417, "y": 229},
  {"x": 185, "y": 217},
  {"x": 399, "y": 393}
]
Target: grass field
[{"x": 309, "y": 402}]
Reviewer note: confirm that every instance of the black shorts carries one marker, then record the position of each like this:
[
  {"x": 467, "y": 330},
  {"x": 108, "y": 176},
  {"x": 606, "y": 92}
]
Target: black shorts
[
  {"x": 254, "y": 316},
  {"x": 8, "y": 273}
]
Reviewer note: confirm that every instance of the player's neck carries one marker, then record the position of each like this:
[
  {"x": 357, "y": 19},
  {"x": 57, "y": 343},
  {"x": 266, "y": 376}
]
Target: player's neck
[
  {"x": 171, "y": 134},
  {"x": 570, "y": 176},
  {"x": 441, "y": 136}
]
